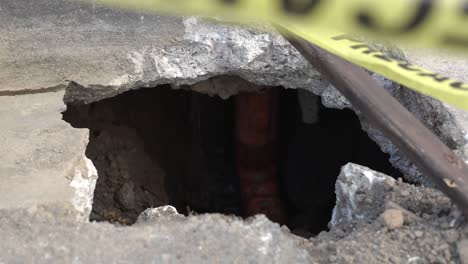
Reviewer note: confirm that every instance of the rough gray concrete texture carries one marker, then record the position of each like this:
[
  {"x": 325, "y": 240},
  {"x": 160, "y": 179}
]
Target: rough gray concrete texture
[
  {"x": 51, "y": 49},
  {"x": 51, "y": 235},
  {"x": 463, "y": 250},
  {"x": 447, "y": 63},
  {"x": 433, "y": 232},
  {"x": 94, "y": 53},
  {"x": 358, "y": 195},
  {"x": 46, "y": 42},
  {"x": 42, "y": 157}
]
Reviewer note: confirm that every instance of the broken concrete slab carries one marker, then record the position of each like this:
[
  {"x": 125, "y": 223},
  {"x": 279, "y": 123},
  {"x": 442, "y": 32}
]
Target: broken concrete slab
[
  {"x": 362, "y": 195},
  {"x": 45, "y": 179},
  {"x": 95, "y": 52},
  {"x": 107, "y": 52},
  {"x": 51, "y": 235},
  {"x": 46, "y": 234},
  {"x": 44, "y": 43},
  {"x": 43, "y": 158},
  {"x": 208, "y": 49}
]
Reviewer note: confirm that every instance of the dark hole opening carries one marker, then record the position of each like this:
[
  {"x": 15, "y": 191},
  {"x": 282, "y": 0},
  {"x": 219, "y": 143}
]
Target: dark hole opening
[{"x": 159, "y": 146}]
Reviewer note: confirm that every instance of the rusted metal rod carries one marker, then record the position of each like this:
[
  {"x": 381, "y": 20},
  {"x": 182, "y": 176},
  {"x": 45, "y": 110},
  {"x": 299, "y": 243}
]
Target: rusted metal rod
[{"x": 433, "y": 158}]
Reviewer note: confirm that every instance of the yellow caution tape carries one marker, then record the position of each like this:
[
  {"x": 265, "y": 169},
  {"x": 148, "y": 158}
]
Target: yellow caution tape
[
  {"x": 424, "y": 22},
  {"x": 403, "y": 72},
  {"x": 432, "y": 22}
]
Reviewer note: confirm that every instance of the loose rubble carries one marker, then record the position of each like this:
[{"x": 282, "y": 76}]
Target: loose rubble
[
  {"x": 152, "y": 214},
  {"x": 406, "y": 224},
  {"x": 433, "y": 231},
  {"x": 393, "y": 218}
]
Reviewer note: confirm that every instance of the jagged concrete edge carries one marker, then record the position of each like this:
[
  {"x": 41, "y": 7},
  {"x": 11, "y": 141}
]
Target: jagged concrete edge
[{"x": 263, "y": 59}]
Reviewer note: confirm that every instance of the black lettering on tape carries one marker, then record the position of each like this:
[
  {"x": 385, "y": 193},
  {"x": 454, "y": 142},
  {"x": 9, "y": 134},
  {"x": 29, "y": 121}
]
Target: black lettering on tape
[
  {"x": 299, "y": 7},
  {"x": 346, "y": 37},
  {"x": 407, "y": 66},
  {"x": 368, "y": 49},
  {"x": 363, "y": 45},
  {"x": 459, "y": 85},
  {"x": 423, "y": 10},
  {"x": 435, "y": 76},
  {"x": 383, "y": 57}
]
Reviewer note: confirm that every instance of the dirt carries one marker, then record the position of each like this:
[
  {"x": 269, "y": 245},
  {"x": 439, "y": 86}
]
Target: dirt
[
  {"x": 431, "y": 232},
  {"x": 124, "y": 188}
]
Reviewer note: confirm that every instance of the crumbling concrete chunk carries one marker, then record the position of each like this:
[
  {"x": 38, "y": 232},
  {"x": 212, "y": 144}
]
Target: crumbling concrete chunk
[
  {"x": 84, "y": 182},
  {"x": 332, "y": 98},
  {"x": 42, "y": 157},
  {"x": 153, "y": 214},
  {"x": 359, "y": 195},
  {"x": 362, "y": 195},
  {"x": 46, "y": 236}
]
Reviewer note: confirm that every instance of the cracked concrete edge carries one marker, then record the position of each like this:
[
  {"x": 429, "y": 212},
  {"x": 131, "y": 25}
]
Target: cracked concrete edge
[
  {"x": 84, "y": 183},
  {"x": 202, "y": 50},
  {"x": 50, "y": 235},
  {"x": 352, "y": 181},
  {"x": 207, "y": 50},
  {"x": 211, "y": 50},
  {"x": 43, "y": 157},
  {"x": 52, "y": 89}
]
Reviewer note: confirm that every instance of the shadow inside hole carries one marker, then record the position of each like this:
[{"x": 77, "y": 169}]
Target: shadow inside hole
[
  {"x": 160, "y": 146},
  {"x": 311, "y": 157}
]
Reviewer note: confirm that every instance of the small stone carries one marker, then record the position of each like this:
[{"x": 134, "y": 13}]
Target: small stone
[
  {"x": 462, "y": 248},
  {"x": 32, "y": 210},
  {"x": 418, "y": 233},
  {"x": 348, "y": 259},
  {"x": 394, "y": 259},
  {"x": 451, "y": 236},
  {"x": 152, "y": 214},
  {"x": 395, "y": 236},
  {"x": 445, "y": 225},
  {"x": 393, "y": 218},
  {"x": 405, "y": 193},
  {"x": 332, "y": 259},
  {"x": 284, "y": 228},
  {"x": 389, "y": 184}
]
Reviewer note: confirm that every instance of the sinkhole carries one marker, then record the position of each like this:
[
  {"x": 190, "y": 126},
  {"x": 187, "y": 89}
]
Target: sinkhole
[{"x": 159, "y": 146}]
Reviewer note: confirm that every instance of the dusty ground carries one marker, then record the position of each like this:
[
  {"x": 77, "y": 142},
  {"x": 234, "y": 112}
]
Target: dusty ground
[
  {"x": 432, "y": 231},
  {"x": 51, "y": 49}
]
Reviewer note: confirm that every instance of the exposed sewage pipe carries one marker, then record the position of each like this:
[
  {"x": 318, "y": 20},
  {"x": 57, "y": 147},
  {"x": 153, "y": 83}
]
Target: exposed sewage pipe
[{"x": 255, "y": 134}]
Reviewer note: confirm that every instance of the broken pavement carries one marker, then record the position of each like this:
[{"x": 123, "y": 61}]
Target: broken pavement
[{"x": 54, "y": 52}]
